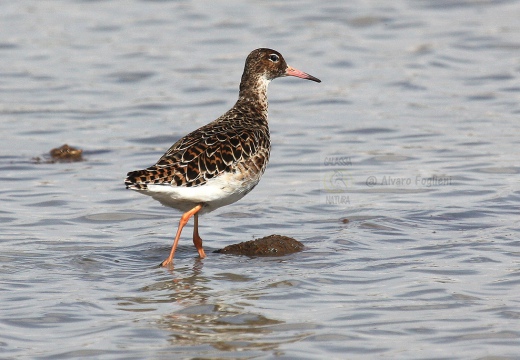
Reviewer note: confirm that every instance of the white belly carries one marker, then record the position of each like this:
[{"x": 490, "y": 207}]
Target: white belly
[{"x": 220, "y": 191}]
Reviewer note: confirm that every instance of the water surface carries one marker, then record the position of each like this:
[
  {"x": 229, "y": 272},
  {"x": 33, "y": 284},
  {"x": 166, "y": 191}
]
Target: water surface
[{"x": 399, "y": 172}]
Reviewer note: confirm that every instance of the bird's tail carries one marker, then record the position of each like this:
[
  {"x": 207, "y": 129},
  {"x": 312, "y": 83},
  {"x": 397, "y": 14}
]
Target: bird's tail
[{"x": 136, "y": 180}]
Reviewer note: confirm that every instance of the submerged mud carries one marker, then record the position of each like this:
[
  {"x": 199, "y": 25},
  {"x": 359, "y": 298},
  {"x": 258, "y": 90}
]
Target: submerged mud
[{"x": 272, "y": 245}]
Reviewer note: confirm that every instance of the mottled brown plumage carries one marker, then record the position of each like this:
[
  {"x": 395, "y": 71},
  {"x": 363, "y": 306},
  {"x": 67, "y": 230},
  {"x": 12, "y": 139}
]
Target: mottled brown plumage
[
  {"x": 222, "y": 161},
  {"x": 208, "y": 152}
]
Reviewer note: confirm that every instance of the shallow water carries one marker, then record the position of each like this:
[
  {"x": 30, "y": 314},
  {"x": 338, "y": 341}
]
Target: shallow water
[{"x": 399, "y": 172}]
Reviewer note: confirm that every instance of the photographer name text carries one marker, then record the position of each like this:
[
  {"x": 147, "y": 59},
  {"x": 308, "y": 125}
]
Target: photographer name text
[{"x": 418, "y": 180}]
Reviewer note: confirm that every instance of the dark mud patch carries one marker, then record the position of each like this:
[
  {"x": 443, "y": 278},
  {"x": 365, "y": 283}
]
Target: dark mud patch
[
  {"x": 64, "y": 153},
  {"x": 272, "y": 245}
]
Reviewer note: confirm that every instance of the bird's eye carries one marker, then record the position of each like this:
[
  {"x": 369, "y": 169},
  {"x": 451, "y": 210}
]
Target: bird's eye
[{"x": 274, "y": 57}]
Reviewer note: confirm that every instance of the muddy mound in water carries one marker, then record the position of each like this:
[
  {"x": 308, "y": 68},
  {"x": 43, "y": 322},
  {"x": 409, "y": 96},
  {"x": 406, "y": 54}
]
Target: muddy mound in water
[
  {"x": 64, "y": 153},
  {"x": 272, "y": 245}
]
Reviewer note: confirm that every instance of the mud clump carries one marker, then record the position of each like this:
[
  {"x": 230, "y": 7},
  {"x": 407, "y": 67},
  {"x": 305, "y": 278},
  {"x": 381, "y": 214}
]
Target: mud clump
[
  {"x": 64, "y": 153},
  {"x": 272, "y": 245}
]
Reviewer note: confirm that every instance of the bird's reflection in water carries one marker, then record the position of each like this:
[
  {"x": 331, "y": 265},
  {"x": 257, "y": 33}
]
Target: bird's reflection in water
[
  {"x": 206, "y": 317},
  {"x": 220, "y": 326}
]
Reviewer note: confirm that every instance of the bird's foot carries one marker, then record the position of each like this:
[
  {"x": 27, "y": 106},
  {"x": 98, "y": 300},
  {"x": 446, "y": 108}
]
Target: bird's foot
[
  {"x": 166, "y": 263},
  {"x": 202, "y": 254}
]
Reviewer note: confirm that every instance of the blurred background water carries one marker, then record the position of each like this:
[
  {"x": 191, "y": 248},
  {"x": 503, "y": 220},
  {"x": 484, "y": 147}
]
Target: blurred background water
[{"x": 399, "y": 172}]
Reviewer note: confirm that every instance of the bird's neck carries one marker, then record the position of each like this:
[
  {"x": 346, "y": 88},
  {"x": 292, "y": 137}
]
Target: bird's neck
[{"x": 253, "y": 94}]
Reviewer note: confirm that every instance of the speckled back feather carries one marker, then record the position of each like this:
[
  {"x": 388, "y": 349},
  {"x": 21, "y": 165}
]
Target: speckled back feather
[{"x": 209, "y": 151}]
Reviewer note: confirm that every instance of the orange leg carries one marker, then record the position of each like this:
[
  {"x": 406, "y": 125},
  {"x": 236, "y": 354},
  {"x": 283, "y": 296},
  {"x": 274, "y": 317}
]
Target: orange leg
[
  {"x": 197, "y": 241},
  {"x": 184, "y": 220}
]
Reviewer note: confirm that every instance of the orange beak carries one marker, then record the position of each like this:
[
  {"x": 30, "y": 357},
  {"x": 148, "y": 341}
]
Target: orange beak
[{"x": 290, "y": 71}]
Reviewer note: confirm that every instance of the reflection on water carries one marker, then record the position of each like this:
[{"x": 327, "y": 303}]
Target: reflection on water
[
  {"x": 202, "y": 325},
  {"x": 221, "y": 327},
  {"x": 398, "y": 173}
]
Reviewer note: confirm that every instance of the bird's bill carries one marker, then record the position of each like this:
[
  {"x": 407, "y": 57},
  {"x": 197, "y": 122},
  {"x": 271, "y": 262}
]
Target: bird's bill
[{"x": 300, "y": 74}]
